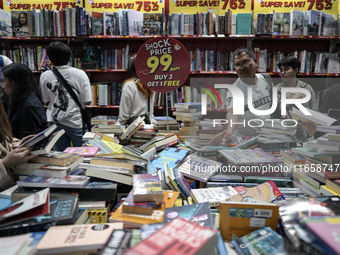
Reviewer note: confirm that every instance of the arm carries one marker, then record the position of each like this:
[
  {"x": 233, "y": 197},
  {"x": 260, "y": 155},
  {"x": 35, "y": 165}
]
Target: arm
[
  {"x": 125, "y": 104},
  {"x": 226, "y": 134}
]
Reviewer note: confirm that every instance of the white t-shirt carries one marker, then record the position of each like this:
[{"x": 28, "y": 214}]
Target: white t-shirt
[
  {"x": 262, "y": 100},
  {"x": 62, "y": 108},
  {"x": 7, "y": 61},
  {"x": 133, "y": 103}
]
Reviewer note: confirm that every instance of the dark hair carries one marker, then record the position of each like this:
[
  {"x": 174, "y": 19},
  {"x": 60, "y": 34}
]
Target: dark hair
[
  {"x": 5, "y": 127},
  {"x": 246, "y": 50},
  {"x": 59, "y": 53},
  {"x": 133, "y": 75},
  {"x": 25, "y": 24},
  {"x": 293, "y": 62},
  {"x": 24, "y": 83}
]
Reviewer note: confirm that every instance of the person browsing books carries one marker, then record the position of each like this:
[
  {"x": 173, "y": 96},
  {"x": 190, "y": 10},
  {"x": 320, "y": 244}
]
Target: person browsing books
[
  {"x": 9, "y": 154},
  {"x": 135, "y": 97},
  {"x": 289, "y": 68},
  {"x": 63, "y": 109},
  {"x": 245, "y": 67},
  {"x": 4, "y": 61},
  {"x": 26, "y": 112}
]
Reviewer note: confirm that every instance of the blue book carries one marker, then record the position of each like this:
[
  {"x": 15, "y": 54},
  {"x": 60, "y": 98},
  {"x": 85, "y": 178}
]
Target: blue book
[
  {"x": 262, "y": 241},
  {"x": 171, "y": 156},
  {"x": 4, "y": 203}
]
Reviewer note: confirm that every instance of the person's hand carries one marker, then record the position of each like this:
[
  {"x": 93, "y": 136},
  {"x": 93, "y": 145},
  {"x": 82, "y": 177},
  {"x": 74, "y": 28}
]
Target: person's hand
[
  {"x": 17, "y": 156},
  {"x": 299, "y": 95},
  {"x": 220, "y": 138},
  {"x": 310, "y": 129},
  {"x": 17, "y": 143}
]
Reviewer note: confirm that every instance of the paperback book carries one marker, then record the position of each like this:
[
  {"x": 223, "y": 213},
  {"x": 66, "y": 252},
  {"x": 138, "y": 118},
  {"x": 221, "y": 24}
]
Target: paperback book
[
  {"x": 83, "y": 151},
  {"x": 147, "y": 187},
  {"x": 70, "y": 181}
]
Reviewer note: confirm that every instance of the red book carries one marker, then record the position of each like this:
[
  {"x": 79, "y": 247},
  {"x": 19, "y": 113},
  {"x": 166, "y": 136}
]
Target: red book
[
  {"x": 119, "y": 58},
  {"x": 177, "y": 237},
  {"x": 62, "y": 21}
]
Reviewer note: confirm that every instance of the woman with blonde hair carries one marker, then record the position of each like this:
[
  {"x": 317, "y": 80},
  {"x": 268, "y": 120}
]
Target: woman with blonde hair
[{"x": 136, "y": 100}]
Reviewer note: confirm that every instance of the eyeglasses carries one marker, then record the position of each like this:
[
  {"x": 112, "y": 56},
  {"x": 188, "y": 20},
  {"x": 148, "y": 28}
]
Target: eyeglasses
[{"x": 244, "y": 64}]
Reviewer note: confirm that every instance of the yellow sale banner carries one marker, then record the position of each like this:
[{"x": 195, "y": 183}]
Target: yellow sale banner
[
  {"x": 154, "y": 6},
  {"x": 219, "y": 6},
  {"x": 24, "y": 5},
  {"x": 267, "y": 6}
]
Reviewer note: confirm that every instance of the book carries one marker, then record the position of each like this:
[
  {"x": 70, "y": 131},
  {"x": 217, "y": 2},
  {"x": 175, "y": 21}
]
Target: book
[
  {"x": 56, "y": 158},
  {"x": 179, "y": 235},
  {"x": 263, "y": 241},
  {"x": 249, "y": 156},
  {"x": 199, "y": 213},
  {"x": 70, "y": 181},
  {"x": 91, "y": 58},
  {"x": 45, "y": 145},
  {"x": 104, "y": 119},
  {"x": 34, "y": 205},
  {"x": 160, "y": 120},
  {"x": 19, "y": 23},
  {"x": 97, "y": 23},
  {"x": 120, "y": 241},
  {"x": 64, "y": 208},
  {"x": 6, "y": 23},
  {"x": 243, "y": 23},
  {"x": 334, "y": 185},
  {"x": 81, "y": 238},
  {"x": 190, "y": 105},
  {"x": 90, "y": 151},
  {"x": 316, "y": 118},
  {"x": 129, "y": 206},
  {"x": 96, "y": 190},
  {"x": 212, "y": 195},
  {"x": 12, "y": 245},
  {"x": 171, "y": 156},
  {"x": 199, "y": 168},
  {"x": 39, "y": 137},
  {"x": 279, "y": 181},
  {"x": 159, "y": 142},
  {"x": 266, "y": 192},
  {"x": 329, "y": 129},
  {"x": 292, "y": 157},
  {"x": 283, "y": 143},
  {"x": 242, "y": 218},
  {"x": 147, "y": 187},
  {"x": 133, "y": 127}
]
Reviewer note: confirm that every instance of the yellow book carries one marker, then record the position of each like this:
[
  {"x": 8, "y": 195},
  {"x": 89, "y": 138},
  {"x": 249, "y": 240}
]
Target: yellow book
[
  {"x": 190, "y": 202},
  {"x": 115, "y": 147},
  {"x": 179, "y": 202}
]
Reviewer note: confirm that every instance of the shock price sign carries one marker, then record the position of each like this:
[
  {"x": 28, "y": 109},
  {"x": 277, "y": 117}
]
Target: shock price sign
[{"x": 162, "y": 64}]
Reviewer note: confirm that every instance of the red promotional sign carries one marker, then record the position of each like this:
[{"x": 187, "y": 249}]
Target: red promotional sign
[{"x": 162, "y": 64}]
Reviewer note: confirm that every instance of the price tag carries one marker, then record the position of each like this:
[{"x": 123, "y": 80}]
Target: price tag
[
  {"x": 162, "y": 64},
  {"x": 25, "y": 5},
  {"x": 150, "y": 6},
  {"x": 236, "y": 6}
]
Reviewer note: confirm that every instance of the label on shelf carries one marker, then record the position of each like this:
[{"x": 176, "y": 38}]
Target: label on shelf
[
  {"x": 162, "y": 64},
  {"x": 114, "y": 5},
  {"x": 25, "y": 5}
]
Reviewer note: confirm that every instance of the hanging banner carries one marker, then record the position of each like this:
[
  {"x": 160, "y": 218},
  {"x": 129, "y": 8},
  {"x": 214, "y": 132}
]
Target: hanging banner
[
  {"x": 24, "y": 5},
  {"x": 162, "y": 64},
  {"x": 219, "y": 6},
  {"x": 155, "y": 6},
  {"x": 267, "y": 6}
]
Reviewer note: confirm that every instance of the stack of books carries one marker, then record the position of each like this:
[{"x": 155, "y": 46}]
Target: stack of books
[
  {"x": 161, "y": 123},
  {"x": 106, "y": 124}
]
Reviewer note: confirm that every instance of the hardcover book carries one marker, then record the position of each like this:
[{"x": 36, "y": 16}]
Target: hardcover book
[
  {"x": 178, "y": 237},
  {"x": 264, "y": 241},
  {"x": 91, "y": 57},
  {"x": 81, "y": 238},
  {"x": 241, "y": 218},
  {"x": 171, "y": 156},
  {"x": 83, "y": 151},
  {"x": 147, "y": 187},
  {"x": 199, "y": 213}
]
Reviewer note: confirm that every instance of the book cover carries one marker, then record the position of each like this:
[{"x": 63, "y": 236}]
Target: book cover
[
  {"x": 46, "y": 145},
  {"x": 70, "y": 181},
  {"x": 83, "y": 151},
  {"x": 264, "y": 241},
  {"x": 213, "y": 195},
  {"x": 14, "y": 244},
  {"x": 160, "y": 120},
  {"x": 70, "y": 238},
  {"x": 292, "y": 157},
  {"x": 148, "y": 229},
  {"x": 120, "y": 241},
  {"x": 91, "y": 58},
  {"x": 147, "y": 187},
  {"x": 108, "y": 23},
  {"x": 271, "y": 144},
  {"x": 171, "y": 156},
  {"x": 314, "y": 22},
  {"x": 5, "y": 23},
  {"x": 241, "y": 218},
  {"x": 135, "y": 22},
  {"x": 296, "y": 22},
  {"x": 98, "y": 190},
  {"x": 39, "y": 137},
  {"x": 178, "y": 237},
  {"x": 266, "y": 192},
  {"x": 33, "y": 205},
  {"x": 58, "y": 158},
  {"x": 104, "y": 119},
  {"x": 199, "y": 213},
  {"x": 249, "y": 156},
  {"x": 97, "y": 23},
  {"x": 199, "y": 168},
  {"x": 19, "y": 23},
  {"x": 243, "y": 23}
]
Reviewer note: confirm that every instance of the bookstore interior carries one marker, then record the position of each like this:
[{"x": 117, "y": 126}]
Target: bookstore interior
[{"x": 179, "y": 182}]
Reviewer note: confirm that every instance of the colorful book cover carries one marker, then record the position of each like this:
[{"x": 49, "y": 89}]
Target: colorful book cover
[
  {"x": 199, "y": 168},
  {"x": 91, "y": 57},
  {"x": 264, "y": 241},
  {"x": 70, "y": 238},
  {"x": 19, "y": 23},
  {"x": 171, "y": 156},
  {"x": 242, "y": 218},
  {"x": 327, "y": 230},
  {"x": 199, "y": 213},
  {"x": 178, "y": 237},
  {"x": 83, "y": 151},
  {"x": 70, "y": 181},
  {"x": 129, "y": 206},
  {"x": 147, "y": 187},
  {"x": 213, "y": 195},
  {"x": 266, "y": 192}
]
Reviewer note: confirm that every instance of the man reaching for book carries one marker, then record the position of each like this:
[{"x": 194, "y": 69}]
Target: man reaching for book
[{"x": 245, "y": 67}]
